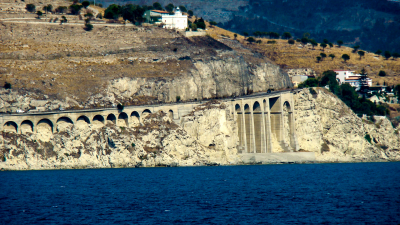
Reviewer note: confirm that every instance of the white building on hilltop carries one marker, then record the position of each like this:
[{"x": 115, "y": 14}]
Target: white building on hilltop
[
  {"x": 347, "y": 76},
  {"x": 176, "y": 21}
]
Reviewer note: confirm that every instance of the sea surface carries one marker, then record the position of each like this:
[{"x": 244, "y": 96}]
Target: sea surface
[{"x": 354, "y": 193}]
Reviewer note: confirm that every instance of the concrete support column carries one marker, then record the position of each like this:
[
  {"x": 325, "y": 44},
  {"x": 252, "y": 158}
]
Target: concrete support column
[
  {"x": 252, "y": 132},
  {"x": 244, "y": 128},
  {"x": 264, "y": 148}
]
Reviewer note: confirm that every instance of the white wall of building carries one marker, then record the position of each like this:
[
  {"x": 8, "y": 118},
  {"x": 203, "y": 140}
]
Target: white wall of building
[{"x": 176, "y": 21}]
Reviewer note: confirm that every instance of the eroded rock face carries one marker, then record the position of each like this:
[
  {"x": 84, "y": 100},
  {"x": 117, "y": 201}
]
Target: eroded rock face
[
  {"x": 324, "y": 124},
  {"x": 156, "y": 141}
]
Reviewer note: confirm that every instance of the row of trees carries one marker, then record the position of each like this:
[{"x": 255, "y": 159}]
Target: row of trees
[
  {"x": 134, "y": 13},
  {"x": 347, "y": 94}
]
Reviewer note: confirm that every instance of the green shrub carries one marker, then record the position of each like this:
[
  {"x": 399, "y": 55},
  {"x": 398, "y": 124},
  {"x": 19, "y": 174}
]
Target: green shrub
[
  {"x": 133, "y": 145},
  {"x": 7, "y": 85},
  {"x": 368, "y": 138},
  {"x": 178, "y": 98},
  {"x": 88, "y": 27},
  {"x": 312, "y": 91},
  {"x": 291, "y": 41},
  {"x": 30, "y": 8},
  {"x": 120, "y": 107},
  {"x": 271, "y": 42}
]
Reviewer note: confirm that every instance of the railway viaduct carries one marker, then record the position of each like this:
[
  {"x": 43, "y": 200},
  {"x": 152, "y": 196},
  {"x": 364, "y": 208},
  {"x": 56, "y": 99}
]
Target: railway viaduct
[{"x": 265, "y": 120}]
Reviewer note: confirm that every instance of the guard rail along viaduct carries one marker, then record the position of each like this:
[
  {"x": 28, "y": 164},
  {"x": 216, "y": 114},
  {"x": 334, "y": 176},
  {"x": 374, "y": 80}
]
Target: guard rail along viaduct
[{"x": 265, "y": 120}]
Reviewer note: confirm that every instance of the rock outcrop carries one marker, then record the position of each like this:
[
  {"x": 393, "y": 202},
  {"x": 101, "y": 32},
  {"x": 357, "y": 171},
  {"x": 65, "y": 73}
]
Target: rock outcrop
[
  {"x": 325, "y": 125},
  {"x": 206, "y": 136}
]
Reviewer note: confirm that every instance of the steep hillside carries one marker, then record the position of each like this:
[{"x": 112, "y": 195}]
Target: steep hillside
[
  {"x": 115, "y": 63},
  {"x": 295, "y": 56}
]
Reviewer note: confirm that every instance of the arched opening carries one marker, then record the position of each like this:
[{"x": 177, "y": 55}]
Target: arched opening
[
  {"x": 98, "y": 120},
  {"x": 63, "y": 123},
  {"x": 111, "y": 119},
  {"x": 287, "y": 124},
  {"x": 84, "y": 119},
  {"x": 275, "y": 121},
  {"x": 247, "y": 122},
  {"x": 171, "y": 114},
  {"x": 11, "y": 127},
  {"x": 26, "y": 126},
  {"x": 44, "y": 126},
  {"x": 145, "y": 113},
  {"x": 135, "y": 119},
  {"x": 123, "y": 119},
  {"x": 258, "y": 121}
]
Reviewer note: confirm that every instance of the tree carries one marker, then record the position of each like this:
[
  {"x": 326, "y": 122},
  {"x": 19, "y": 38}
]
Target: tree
[
  {"x": 304, "y": 40},
  {"x": 325, "y": 41},
  {"x": 355, "y": 48},
  {"x": 75, "y": 8},
  {"x": 318, "y": 59},
  {"x": 340, "y": 43},
  {"x": 310, "y": 82},
  {"x": 330, "y": 44},
  {"x": 170, "y": 7},
  {"x": 396, "y": 55},
  {"x": 89, "y": 15},
  {"x": 39, "y": 14},
  {"x": 120, "y": 107},
  {"x": 258, "y": 41},
  {"x": 61, "y": 9},
  {"x": 190, "y": 12},
  {"x": 378, "y": 52},
  {"x": 251, "y": 40},
  {"x": 323, "y": 55},
  {"x": 88, "y": 26},
  {"x": 332, "y": 56},
  {"x": 194, "y": 27},
  {"x": 213, "y": 23},
  {"x": 48, "y": 8},
  {"x": 363, "y": 81},
  {"x": 112, "y": 12},
  {"x": 183, "y": 9},
  {"x": 235, "y": 35},
  {"x": 245, "y": 34},
  {"x": 387, "y": 55},
  {"x": 157, "y": 6},
  {"x": 85, "y": 4},
  {"x": 273, "y": 35},
  {"x": 345, "y": 57},
  {"x": 313, "y": 43},
  {"x": 323, "y": 45},
  {"x": 382, "y": 73},
  {"x": 30, "y": 8},
  {"x": 361, "y": 53},
  {"x": 7, "y": 85},
  {"x": 291, "y": 41},
  {"x": 287, "y": 35}
]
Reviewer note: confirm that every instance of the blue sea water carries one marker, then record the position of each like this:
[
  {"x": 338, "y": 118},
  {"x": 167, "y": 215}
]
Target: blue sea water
[{"x": 356, "y": 193}]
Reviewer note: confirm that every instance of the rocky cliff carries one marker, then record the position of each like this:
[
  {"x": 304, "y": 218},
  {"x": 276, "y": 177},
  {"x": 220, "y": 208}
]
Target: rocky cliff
[
  {"x": 325, "y": 125},
  {"x": 206, "y": 136}
]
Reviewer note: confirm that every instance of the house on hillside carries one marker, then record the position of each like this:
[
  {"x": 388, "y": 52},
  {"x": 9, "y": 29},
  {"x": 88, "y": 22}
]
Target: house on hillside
[
  {"x": 349, "y": 77},
  {"x": 175, "y": 21},
  {"x": 154, "y": 16}
]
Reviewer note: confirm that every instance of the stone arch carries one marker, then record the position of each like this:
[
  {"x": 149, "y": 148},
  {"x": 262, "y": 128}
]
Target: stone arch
[
  {"x": 63, "y": 123},
  {"x": 135, "y": 119},
  {"x": 44, "y": 126},
  {"x": 83, "y": 119},
  {"x": 258, "y": 122},
  {"x": 123, "y": 119},
  {"x": 10, "y": 126},
  {"x": 248, "y": 126},
  {"x": 256, "y": 107},
  {"x": 98, "y": 120},
  {"x": 145, "y": 113},
  {"x": 265, "y": 105},
  {"x": 26, "y": 126},
  {"x": 171, "y": 114},
  {"x": 286, "y": 105},
  {"x": 237, "y": 108},
  {"x": 111, "y": 118}
]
